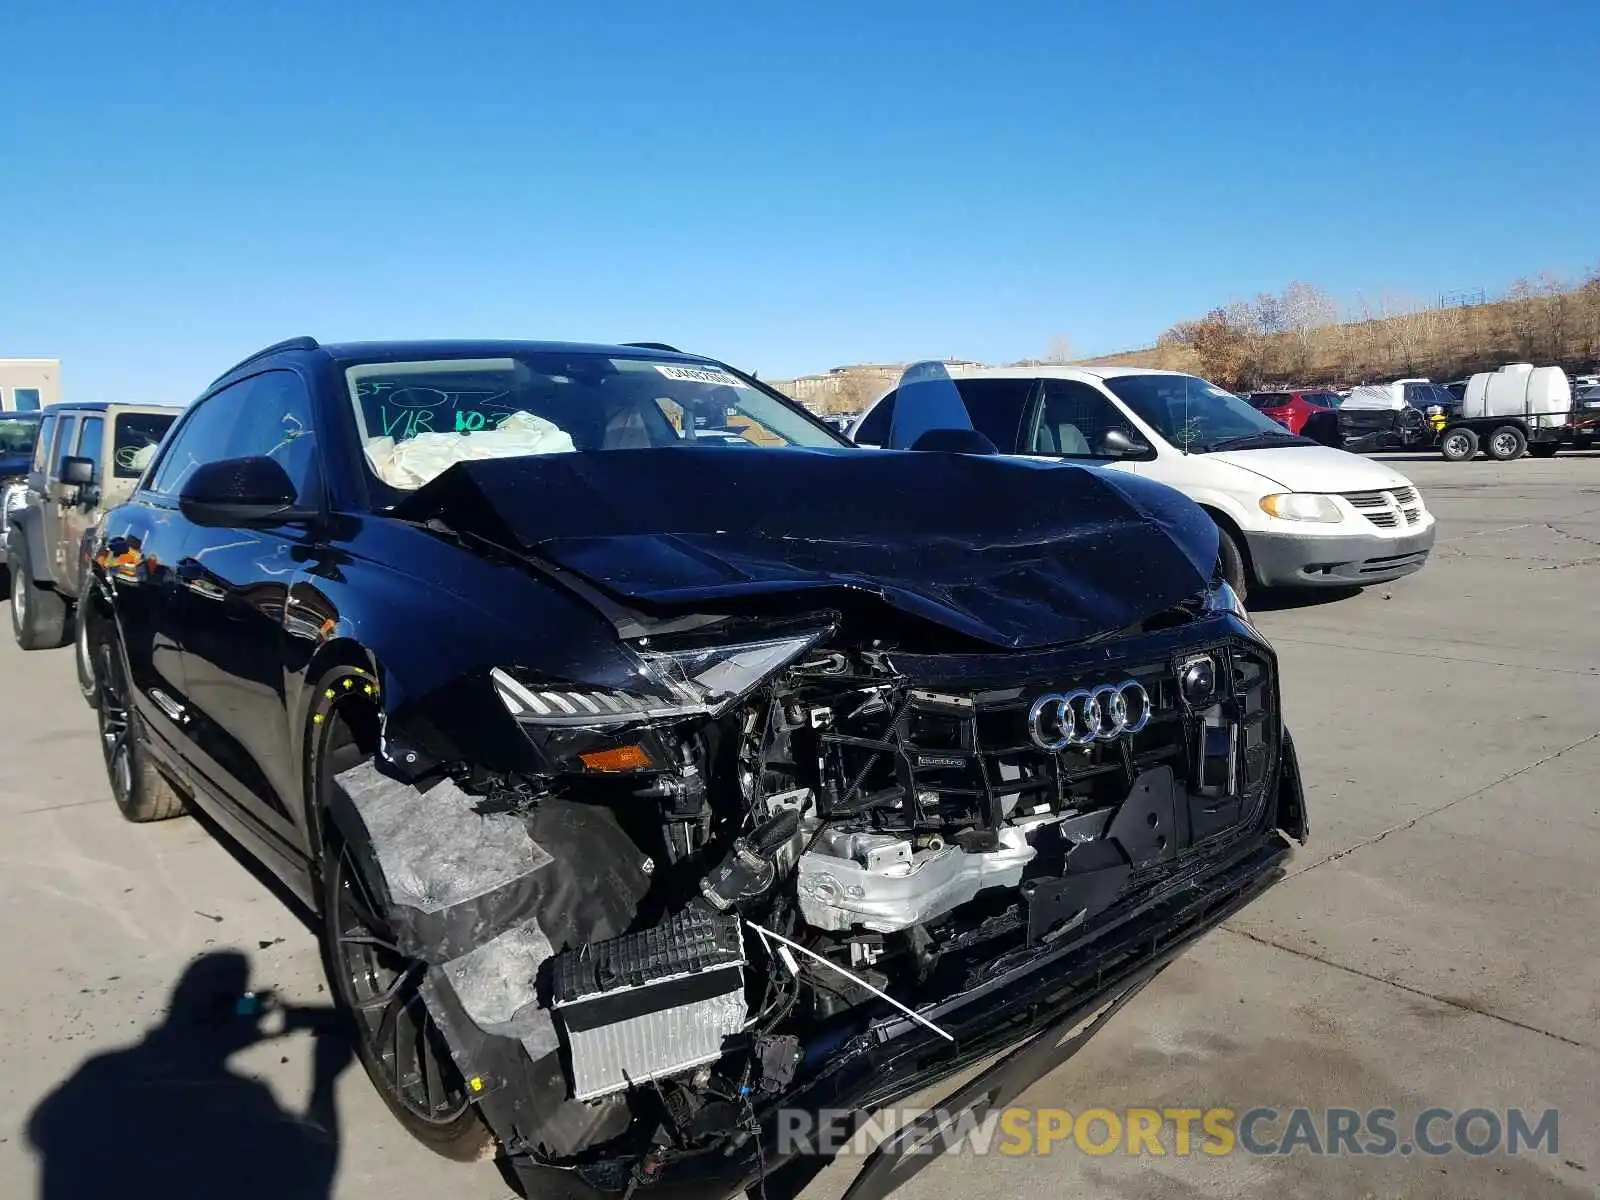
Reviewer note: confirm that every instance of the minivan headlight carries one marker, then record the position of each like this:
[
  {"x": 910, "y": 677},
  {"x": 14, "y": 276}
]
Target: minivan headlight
[{"x": 1301, "y": 506}]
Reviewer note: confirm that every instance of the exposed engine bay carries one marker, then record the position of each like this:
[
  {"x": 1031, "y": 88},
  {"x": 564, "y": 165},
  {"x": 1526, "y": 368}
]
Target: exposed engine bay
[{"x": 865, "y": 837}]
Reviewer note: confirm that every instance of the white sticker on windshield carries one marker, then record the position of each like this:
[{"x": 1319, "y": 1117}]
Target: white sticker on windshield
[{"x": 685, "y": 374}]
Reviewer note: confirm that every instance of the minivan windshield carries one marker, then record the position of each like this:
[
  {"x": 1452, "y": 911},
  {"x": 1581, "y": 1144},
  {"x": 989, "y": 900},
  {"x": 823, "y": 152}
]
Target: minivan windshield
[
  {"x": 1198, "y": 417},
  {"x": 416, "y": 419}
]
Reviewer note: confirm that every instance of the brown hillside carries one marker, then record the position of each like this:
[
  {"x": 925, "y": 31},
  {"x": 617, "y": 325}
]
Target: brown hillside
[{"x": 1246, "y": 345}]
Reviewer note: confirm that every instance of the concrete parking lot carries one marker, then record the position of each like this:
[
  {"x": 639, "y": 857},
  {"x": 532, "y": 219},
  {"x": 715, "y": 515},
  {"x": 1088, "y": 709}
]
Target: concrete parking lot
[{"x": 1435, "y": 944}]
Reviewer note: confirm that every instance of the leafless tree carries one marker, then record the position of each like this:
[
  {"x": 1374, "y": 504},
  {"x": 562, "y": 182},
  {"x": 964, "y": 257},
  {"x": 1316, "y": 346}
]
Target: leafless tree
[{"x": 1060, "y": 349}]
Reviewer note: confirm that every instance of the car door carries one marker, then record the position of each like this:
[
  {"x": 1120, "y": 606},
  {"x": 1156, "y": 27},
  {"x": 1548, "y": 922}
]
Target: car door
[
  {"x": 1072, "y": 420},
  {"x": 80, "y": 510},
  {"x": 234, "y": 585},
  {"x": 139, "y": 549},
  {"x": 52, "y": 492},
  {"x": 39, "y": 465}
]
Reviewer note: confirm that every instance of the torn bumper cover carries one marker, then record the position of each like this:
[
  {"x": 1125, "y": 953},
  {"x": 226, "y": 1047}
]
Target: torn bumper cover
[{"x": 555, "y": 1011}]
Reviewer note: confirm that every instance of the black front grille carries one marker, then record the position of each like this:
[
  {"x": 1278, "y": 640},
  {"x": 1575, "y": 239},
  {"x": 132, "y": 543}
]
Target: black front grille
[{"x": 967, "y": 759}]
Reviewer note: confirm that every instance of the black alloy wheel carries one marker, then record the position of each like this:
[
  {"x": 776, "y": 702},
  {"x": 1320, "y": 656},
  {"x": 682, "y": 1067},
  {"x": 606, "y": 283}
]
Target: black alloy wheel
[
  {"x": 141, "y": 791},
  {"x": 402, "y": 1047}
]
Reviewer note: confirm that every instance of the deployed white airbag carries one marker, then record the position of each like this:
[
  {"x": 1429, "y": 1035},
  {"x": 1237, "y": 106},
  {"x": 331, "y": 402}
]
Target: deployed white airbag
[{"x": 413, "y": 462}]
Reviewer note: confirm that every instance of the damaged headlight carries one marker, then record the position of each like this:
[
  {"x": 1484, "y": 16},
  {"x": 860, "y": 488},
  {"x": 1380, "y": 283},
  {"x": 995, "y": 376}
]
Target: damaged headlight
[{"x": 703, "y": 681}]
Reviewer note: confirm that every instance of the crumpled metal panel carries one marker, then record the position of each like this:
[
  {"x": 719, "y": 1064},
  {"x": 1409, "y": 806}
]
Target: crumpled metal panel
[{"x": 1009, "y": 551}]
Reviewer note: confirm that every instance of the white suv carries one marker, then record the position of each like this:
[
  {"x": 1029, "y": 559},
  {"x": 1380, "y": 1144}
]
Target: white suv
[{"x": 1290, "y": 512}]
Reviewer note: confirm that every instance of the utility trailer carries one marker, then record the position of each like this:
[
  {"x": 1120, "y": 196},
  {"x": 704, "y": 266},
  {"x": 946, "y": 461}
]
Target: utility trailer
[{"x": 1518, "y": 409}]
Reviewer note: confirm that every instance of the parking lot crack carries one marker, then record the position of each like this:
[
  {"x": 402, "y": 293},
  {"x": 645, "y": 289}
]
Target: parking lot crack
[
  {"x": 1577, "y": 537},
  {"x": 1448, "y": 1001},
  {"x": 1448, "y": 804}
]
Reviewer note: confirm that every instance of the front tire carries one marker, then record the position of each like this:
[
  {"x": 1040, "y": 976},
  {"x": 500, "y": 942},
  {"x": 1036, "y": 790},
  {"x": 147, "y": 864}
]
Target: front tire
[
  {"x": 141, "y": 791},
  {"x": 1232, "y": 563},
  {"x": 1506, "y": 444},
  {"x": 1459, "y": 444},
  {"x": 39, "y": 614},
  {"x": 379, "y": 988}
]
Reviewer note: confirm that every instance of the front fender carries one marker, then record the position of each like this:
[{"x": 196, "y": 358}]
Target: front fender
[
  {"x": 27, "y": 524},
  {"x": 426, "y": 621}
]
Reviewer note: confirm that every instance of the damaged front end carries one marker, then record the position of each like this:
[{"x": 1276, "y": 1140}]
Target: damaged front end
[{"x": 789, "y": 865}]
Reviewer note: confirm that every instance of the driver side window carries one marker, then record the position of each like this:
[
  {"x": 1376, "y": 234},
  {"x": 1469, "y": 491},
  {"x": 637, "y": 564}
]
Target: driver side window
[{"x": 1073, "y": 420}]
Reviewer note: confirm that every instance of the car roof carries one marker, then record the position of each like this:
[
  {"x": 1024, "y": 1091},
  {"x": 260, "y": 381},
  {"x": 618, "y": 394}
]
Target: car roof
[
  {"x": 1056, "y": 372},
  {"x": 440, "y": 348},
  {"x": 100, "y": 406},
  {"x": 447, "y": 348}
]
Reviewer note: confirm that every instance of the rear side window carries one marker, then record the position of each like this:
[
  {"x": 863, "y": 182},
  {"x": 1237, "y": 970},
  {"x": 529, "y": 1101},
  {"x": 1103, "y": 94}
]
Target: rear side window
[
  {"x": 874, "y": 428},
  {"x": 41, "y": 448},
  {"x": 65, "y": 433},
  {"x": 136, "y": 437},
  {"x": 997, "y": 408},
  {"x": 90, "y": 440}
]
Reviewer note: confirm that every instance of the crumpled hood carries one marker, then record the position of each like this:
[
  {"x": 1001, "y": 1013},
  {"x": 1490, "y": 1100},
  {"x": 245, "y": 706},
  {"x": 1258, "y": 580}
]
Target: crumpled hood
[{"x": 1015, "y": 553}]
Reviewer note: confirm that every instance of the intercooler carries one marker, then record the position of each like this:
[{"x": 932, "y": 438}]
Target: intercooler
[{"x": 650, "y": 1004}]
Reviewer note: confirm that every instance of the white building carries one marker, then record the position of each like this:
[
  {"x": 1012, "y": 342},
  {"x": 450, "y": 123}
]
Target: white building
[{"x": 29, "y": 384}]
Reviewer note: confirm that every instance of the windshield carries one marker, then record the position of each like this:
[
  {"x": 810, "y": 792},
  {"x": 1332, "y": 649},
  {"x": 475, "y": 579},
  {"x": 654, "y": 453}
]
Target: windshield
[
  {"x": 418, "y": 418},
  {"x": 17, "y": 436},
  {"x": 1195, "y": 416},
  {"x": 1422, "y": 395}
]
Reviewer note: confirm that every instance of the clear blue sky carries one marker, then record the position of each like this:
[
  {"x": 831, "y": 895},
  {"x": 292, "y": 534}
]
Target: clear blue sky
[{"x": 785, "y": 186}]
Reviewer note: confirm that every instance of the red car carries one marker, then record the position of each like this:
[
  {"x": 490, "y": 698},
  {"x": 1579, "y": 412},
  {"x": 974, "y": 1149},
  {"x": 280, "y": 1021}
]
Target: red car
[{"x": 1306, "y": 412}]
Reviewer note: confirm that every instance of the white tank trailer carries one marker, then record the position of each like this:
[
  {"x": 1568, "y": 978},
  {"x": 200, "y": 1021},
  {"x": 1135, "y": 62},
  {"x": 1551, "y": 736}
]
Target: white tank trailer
[{"x": 1518, "y": 409}]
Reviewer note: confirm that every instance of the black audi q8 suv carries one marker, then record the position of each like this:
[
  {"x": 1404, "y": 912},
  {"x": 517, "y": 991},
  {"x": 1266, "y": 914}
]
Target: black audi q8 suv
[{"x": 656, "y": 761}]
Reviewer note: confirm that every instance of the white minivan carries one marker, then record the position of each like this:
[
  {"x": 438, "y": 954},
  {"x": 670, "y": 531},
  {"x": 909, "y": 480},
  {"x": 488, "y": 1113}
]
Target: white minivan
[{"x": 1291, "y": 513}]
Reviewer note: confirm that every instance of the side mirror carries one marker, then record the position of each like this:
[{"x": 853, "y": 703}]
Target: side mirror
[
  {"x": 1123, "y": 444},
  {"x": 238, "y": 493},
  {"x": 77, "y": 472}
]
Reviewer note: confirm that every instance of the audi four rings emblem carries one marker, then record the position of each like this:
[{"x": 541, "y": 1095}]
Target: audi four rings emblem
[{"x": 1057, "y": 720}]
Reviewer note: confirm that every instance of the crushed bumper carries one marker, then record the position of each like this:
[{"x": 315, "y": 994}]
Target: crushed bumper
[
  {"x": 1034, "y": 1016},
  {"x": 1301, "y": 560}
]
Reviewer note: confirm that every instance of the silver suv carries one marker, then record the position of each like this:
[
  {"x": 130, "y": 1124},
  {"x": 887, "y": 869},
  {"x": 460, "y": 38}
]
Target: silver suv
[{"x": 88, "y": 458}]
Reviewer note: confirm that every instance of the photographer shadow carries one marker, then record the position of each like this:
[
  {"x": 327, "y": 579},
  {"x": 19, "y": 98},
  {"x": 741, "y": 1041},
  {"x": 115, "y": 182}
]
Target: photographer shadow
[{"x": 167, "y": 1117}]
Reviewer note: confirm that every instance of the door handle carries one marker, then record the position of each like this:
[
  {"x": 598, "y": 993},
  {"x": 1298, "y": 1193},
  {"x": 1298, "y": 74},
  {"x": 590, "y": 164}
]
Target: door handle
[{"x": 190, "y": 576}]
